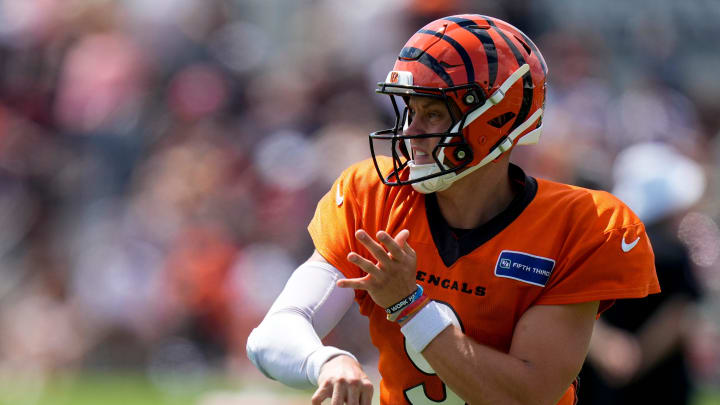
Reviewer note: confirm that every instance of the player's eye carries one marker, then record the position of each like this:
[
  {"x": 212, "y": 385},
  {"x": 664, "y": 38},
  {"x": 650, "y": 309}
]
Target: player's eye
[{"x": 435, "y": 115}]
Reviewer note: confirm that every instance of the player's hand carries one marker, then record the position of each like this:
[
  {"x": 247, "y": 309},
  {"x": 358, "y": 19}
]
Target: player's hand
[
  {"x": 391, "y": 277},
  {"x": 342, "y": 379},
  {"x": 616, "y": 354}
]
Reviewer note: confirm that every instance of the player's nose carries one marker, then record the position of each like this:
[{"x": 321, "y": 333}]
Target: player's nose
[{"x": 414, "y": 128}]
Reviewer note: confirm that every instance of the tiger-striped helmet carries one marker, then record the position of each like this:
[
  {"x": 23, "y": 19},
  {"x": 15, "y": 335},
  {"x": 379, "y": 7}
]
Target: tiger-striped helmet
[{"x": 485, "y": 67}]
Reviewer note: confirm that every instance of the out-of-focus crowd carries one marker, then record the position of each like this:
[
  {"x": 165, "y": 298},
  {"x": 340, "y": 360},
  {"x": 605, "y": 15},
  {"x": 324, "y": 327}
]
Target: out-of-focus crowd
[{"x": 160, "y": 160}]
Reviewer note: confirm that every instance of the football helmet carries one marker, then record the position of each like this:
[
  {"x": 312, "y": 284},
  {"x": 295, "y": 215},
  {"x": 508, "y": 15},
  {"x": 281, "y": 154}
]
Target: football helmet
[{"x": 485, "y": 68}]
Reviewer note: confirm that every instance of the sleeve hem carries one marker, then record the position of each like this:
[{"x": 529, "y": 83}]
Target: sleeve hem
[
  {"x": 333, "y": 259},
  {"x": 601, "y": 295}
]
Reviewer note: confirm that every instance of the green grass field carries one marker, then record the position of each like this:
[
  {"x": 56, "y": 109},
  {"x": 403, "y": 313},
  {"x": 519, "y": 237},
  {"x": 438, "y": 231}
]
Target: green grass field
[{"x": 136, "y": 389}]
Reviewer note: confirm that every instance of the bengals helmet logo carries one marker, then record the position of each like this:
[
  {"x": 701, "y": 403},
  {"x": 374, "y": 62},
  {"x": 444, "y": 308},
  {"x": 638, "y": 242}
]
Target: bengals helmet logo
[{"x": 394, "y": 77}]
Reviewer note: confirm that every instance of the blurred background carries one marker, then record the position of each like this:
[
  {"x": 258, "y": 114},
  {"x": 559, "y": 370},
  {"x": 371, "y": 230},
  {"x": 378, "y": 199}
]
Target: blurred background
[{"x": 160, "y": 160}]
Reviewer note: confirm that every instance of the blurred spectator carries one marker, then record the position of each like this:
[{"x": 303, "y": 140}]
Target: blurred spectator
[{"x": 639, "y": 351}]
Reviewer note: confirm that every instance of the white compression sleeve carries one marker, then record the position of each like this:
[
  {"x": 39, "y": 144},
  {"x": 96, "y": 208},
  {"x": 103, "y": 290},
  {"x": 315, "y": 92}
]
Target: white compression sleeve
[{"x": 286, "y": 345}]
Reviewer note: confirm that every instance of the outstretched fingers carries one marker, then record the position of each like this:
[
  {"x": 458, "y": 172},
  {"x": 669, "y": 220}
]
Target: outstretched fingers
[
  {"x": 339, "y": 394},
  {"x": 344, "y": 382},
  {"x": 367, "y": 394},
  {"x": 362, "y": 283},
  {"x": 392, "y": 255},
  {"x": 394, "y": 248},
  {"x": 344, "y": 392},
  {"x": 401, "y": 239},
  {"x": 375, "y": 248},
  {"x": 397, "y": 246},
  {"x": 321, "y": 394},
  {"x": 366, "y": 265}
]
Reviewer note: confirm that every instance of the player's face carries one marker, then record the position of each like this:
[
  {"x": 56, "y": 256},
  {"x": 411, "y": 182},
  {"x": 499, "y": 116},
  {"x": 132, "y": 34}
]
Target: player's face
[{"x": 427, "y": 116}]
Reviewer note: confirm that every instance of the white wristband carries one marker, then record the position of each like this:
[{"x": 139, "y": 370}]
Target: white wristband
[
  {"x": 425, "y": 326},
  {"x": 319, "y": 357}
]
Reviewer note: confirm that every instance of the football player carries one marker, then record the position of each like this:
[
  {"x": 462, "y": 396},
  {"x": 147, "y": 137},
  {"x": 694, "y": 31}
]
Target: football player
[{"x": 481, "y": 282}]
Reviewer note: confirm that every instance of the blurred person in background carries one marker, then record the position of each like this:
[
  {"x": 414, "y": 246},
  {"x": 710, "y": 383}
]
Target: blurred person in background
[
  {"x": 638, "y": 352},
  {"x": 481, "y": 283}
]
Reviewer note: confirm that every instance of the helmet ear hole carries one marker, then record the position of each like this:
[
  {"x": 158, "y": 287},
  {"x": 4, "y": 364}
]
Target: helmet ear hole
[
  {"x": 461, "y": 153},
  {"x": 501, "y": 120},
  {"x": 527, "y": 48}
]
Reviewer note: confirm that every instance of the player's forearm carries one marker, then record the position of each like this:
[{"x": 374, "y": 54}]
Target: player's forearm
[
  {"x": 482, "y": 375},
  {"x": 664, "y": 331},
  {"x": 286, "y": 346},
  {"x": 294, "y": 360}
]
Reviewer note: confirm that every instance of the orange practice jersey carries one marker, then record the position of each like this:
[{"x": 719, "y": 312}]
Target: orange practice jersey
[{"x": 555, "y": 244}]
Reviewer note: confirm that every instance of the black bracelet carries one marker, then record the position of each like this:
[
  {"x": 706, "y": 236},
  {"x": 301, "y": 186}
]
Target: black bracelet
[{"x": 398, "y": 306}]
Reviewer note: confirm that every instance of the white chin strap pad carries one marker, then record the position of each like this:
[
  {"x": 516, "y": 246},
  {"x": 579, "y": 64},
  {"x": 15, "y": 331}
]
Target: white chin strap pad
[{"x": 432, "y": 185}]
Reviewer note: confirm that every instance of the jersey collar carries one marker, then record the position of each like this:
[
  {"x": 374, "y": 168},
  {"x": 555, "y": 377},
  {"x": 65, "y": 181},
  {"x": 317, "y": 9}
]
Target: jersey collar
[{"x": 452, "y": 247}]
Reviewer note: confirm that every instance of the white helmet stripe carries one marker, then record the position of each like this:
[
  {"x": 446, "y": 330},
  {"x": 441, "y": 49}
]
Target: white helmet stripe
[
  {"x": 504, "y": 146},
  {"x": 408, "y": 145},
  {"x": 494, "y": 98}
]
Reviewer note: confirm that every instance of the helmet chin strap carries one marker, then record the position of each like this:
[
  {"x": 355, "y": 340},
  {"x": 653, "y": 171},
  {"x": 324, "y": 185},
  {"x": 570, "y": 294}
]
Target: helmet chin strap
[
  {"x": 444, "y": 181},
  {"x": 431, "y": 185}
]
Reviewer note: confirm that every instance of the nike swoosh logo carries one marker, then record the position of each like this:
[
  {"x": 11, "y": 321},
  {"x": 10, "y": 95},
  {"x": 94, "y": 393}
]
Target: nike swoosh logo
[
  {"x": 338, "y": 197},
  {"x": 626, "y": 247}
]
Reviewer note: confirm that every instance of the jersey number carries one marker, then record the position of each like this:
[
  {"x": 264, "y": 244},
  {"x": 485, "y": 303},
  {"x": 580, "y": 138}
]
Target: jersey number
[{"x": 417, "y": 395}]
